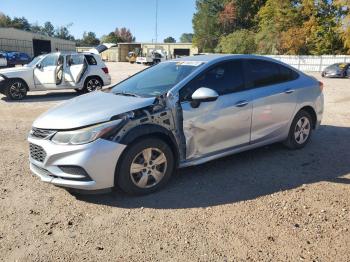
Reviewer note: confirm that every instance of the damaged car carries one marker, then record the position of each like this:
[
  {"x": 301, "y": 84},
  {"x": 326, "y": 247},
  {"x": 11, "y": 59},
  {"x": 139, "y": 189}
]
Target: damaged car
[{"x": 179, "y": 113}]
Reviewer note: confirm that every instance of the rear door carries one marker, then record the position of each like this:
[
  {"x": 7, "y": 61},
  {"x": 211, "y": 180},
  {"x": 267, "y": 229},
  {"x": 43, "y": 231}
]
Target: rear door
[
  {"x": 76, "y": 66},
  {"x": 221, "y": 124},
  {"x": 274, "y": 98}
]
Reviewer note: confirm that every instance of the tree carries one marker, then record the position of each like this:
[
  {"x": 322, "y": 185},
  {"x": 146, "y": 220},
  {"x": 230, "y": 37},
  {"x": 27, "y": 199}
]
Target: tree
[
  {"x": 21, "y": 23},
  {"x": 186, "y": 38},
  {"x": 205, "y": 24},
  {"x": 124, "y": 35},
  {"x": 169, "y": 39},
  {"x": 275, "y": 17},
  {"x": 5, "y": 21},
  {"x": 89, "y": 39},
  {"x": 228, "y": 17},
  {"x": 48, "y": 29},
  {"x": 110, "y": 38},
  {"x": 239, "y": 42},
  {"x": 36, "y": 28},
  {"x": 63, "y": 32},
  {"x": 344, "y": 27}
]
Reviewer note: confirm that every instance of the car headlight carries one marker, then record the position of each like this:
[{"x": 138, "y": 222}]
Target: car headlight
[
  {"x": 85, "y": 135},
  {"x": 2, "y": 78}
]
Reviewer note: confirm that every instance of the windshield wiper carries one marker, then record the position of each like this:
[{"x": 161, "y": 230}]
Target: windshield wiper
[{"x": 126, "y": 94}]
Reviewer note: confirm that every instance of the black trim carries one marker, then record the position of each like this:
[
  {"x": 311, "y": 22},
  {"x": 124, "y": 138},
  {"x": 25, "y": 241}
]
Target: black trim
[{"x": 3, "y": 84}]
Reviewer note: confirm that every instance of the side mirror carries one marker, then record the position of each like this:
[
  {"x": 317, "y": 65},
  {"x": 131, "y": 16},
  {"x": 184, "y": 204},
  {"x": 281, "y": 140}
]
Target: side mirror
[
  {"x": 39, "y": 66},
  {"x": 203, "y": 94}
]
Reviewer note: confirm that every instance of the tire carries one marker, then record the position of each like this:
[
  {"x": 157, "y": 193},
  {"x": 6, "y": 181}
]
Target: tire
[
  {"x": 92, "y": 84},
  {"x": 16, "y": 89},
  {"x": 297, "y": 137},
  {"x": 144, "y": 178}
]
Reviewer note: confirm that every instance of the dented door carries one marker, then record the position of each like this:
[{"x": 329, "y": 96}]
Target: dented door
[{"x": 222, "y": 124}]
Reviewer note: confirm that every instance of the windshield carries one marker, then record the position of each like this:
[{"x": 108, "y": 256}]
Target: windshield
[
  {"x": 35, "y": 61},
  {"x": 156, "y": 80}
]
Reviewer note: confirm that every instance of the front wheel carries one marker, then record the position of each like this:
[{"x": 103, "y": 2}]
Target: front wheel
[
  {"x": 300, "y": 131},
  {"x": 92, "y": 84},
  {"x": 16, "y": 89},
  {"x": 146, "y": 166}
]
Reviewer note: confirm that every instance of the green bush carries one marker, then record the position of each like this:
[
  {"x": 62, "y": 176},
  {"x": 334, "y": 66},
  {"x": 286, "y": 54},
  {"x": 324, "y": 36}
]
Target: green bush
[{"x": 238, "y": 42}]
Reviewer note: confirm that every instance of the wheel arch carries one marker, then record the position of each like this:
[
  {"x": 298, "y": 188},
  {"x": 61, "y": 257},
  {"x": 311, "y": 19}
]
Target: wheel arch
[
  {"x": 148, "y": 131},
  {"x": 312, "y": 113},
  {"x": 18, "y": 78}
]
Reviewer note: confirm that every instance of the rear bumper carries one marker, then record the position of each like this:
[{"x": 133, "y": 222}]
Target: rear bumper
[{"x": 97, "y": 160}]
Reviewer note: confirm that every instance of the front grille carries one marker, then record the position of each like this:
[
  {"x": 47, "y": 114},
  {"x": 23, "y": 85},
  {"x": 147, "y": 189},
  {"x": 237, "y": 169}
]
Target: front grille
[
  {"x": 37, "y": 152},
  {"x": 41, "y": 133}
]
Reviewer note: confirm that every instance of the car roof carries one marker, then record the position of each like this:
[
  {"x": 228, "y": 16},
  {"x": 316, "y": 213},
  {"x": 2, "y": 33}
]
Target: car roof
[{"x": 220, "y": 57}]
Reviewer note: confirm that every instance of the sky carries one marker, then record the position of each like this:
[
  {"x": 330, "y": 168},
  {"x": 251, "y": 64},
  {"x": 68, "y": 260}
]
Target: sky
[{"x": 102, "y": 17}]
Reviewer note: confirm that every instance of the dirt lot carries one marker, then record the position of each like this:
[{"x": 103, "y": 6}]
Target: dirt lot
[{"x": 269, "y": 204}]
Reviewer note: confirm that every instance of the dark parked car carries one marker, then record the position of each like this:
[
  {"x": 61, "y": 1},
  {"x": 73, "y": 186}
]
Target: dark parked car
[
  {"x": 340, "y": 70},
  {"x": 17, "y": 58}
]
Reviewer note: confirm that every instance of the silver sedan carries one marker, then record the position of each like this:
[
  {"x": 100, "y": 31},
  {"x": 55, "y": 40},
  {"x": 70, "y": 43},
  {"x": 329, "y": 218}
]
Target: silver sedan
[{"x": 178, "y": 113}]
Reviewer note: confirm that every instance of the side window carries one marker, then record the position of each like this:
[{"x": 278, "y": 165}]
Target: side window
[
  {"x": 262, "y": 73},
  {"x": 50, "y": 60},
  {"x": 287, "y": 74},
  {"x": 75, "y": 60},
  {"x": 91, "y": 60},
  {"x": 224, "y": 78}
]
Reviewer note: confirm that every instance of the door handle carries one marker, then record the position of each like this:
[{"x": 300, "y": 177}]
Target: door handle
[
  {"x": 289, "y": 91},
  {"x": 242, "y": 103}
]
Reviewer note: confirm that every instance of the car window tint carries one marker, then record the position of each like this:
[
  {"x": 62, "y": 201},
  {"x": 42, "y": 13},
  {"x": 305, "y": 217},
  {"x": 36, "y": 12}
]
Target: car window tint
[
  {"x": 91, "y": 60},
  {"x": 49, "y": 60},
  {"x": 224, "y": 78},
  {"x": 262, "y": 73},
  {"x": 287, "y": 74}
]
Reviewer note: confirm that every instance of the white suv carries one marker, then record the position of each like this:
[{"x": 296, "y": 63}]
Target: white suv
[{"x": 84, "y": 72}]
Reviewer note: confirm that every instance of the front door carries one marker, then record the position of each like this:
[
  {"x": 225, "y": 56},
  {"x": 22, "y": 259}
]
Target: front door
[
  {"x": 222, "y": 124},
  {"x": 45, "y": 74}
]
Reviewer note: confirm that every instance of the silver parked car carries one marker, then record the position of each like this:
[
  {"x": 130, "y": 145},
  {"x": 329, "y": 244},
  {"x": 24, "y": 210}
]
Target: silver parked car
[{"x": 178, "y": 113}]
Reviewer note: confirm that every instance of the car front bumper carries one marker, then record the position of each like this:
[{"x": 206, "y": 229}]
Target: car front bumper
[{"x": 85, "y": 167}]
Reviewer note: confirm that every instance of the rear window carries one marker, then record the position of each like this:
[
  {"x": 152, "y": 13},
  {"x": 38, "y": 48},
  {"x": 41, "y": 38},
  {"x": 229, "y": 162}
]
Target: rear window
[
  {"x": 91, "y": 60},
  {"x": 264, "y": 73}
]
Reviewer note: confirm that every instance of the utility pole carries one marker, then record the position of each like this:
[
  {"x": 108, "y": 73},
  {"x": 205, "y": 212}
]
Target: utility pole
[{"x": 156, "y": 21}]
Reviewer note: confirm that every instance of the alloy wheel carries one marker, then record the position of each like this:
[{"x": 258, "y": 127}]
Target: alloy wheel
[
  {"x": 148, "y": 168},
  {"x": 17, "y": 90},
  {"x": 302, "y": 130},
  {"x": 93, "y": 84}
]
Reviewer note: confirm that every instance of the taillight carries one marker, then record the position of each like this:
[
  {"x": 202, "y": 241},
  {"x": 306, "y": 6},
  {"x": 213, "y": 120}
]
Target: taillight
[
  {"x": 321, "y": 85},
  {"x": 105, "y": 69}
]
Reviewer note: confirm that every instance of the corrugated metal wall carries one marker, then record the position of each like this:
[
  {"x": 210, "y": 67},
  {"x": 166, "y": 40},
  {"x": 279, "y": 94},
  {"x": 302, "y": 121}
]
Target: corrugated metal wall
[{"x": 311, "y": 63}]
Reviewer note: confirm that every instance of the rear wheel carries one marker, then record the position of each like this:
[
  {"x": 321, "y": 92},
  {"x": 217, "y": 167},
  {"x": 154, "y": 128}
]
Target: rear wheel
[
  {"x": 300, "y": 131},
  {"x": 146, "y": 166},
  {"x": 92, "y": 84},
  {"x": 16, "y": 89}
]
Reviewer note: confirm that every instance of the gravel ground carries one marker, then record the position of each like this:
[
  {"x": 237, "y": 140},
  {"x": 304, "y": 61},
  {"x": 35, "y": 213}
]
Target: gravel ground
[{"x": 269, "y": 204}]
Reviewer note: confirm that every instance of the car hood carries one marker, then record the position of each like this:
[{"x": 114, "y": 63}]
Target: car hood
[
  {"x": 89, "y": 109},
  {"x": 7, "y": 71}
]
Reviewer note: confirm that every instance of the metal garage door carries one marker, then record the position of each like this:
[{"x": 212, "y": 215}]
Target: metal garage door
[
  {"x": 41, "y": 47},
  {"x": 181, "y": 52}
]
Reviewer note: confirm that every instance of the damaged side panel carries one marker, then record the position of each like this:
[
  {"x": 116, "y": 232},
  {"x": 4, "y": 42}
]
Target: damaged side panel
[{"x": 160, "y": 115}]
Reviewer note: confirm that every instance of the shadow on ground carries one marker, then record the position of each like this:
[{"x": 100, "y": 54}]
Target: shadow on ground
[
  {"x": 248, "y": 175},
  {"x": 48, "y": 97}
]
